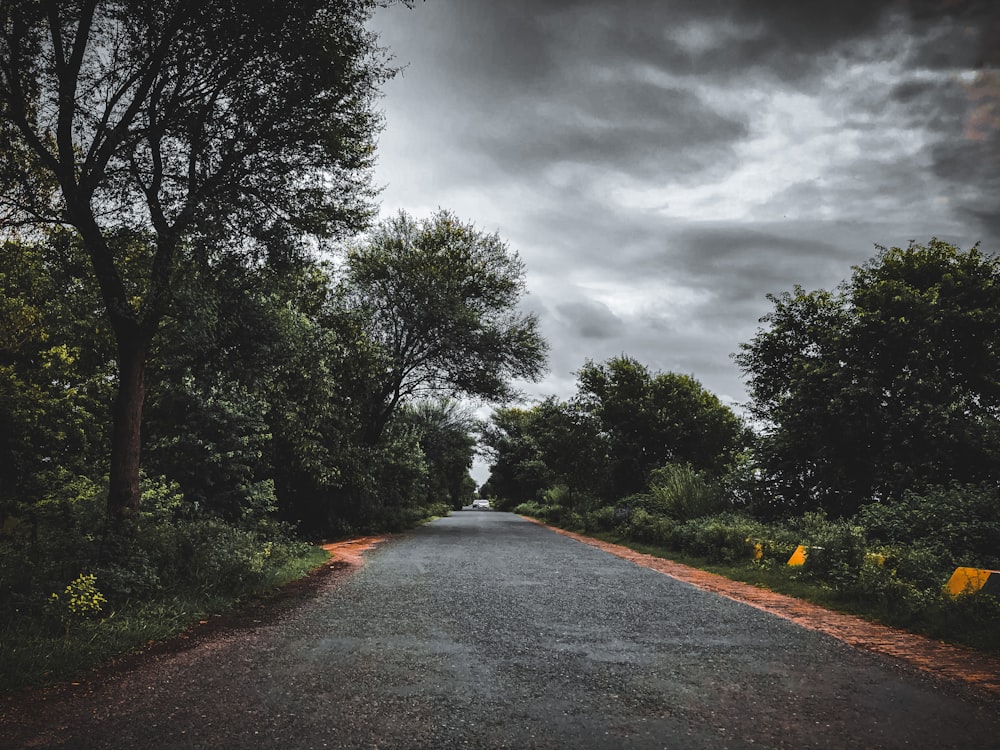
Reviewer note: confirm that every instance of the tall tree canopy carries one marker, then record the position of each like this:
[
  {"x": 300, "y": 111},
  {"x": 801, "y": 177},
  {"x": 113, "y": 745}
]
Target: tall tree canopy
[
  {"x": 55, "y": 366},
  {"x": 161, "y": 129},
  {"x": 552, "y": 443},
  {"x": 650, "y": 419},
  {"x": 445, "y": 432},
  {"x": 441, "y": 301},
  {"x": 888, "y": 384}
]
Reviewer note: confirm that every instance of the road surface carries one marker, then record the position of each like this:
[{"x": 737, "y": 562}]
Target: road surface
[{"x": 484, "y": 630}]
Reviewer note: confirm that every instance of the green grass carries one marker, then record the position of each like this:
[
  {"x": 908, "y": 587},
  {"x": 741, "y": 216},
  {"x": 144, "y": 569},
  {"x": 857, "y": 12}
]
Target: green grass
[
  {"x": 34, "y": 653},
  {"x": 769, "y": 577}
]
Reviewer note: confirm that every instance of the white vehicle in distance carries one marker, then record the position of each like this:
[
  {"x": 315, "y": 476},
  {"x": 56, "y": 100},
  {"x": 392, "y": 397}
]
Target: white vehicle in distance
[{"x": 480, "y": 503}]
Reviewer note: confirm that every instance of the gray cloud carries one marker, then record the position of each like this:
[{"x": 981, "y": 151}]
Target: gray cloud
[
  {"x": 631, "y": 126},
  {"x": 662, "y": 165},
  {"x": 590, "y": 319}
]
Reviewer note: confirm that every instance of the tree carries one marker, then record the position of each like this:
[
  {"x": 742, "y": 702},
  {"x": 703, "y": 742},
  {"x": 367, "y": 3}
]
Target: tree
[
  {"x": 650, "y": 419},
  {"x": 445, "y": 434},
  {"x": 241, "y": 370},
  {"x": 518, "y": 472},
  {"x": 55, "y": 362},
  {"x": 571, "y": 443},
  {"x": 440, "y": 299},
  {"x": 886, "y": 385},
  {"x": 156, "y": 129}
]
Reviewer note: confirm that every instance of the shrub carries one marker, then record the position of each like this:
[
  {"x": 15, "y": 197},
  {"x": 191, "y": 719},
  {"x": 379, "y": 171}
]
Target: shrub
[
  {"x": 602, "y": 519},
  {"x": 836, "y": 548},
  {"x": 80, "y": 600},
  {"x": 534, "y": 510},
  {"x": 726, "y": 537},
  {"x": 552, "y": 514},
  {"x": 960, "y": 523},
  {"x": 920, "y": 565},
  {"x": 839, "y": 559},
  {"x": 651, "y": 528},
  {"x": 682, "y": 493},
  {"x": 888, "y": 594},
  {"x": 562, "y": 496}
]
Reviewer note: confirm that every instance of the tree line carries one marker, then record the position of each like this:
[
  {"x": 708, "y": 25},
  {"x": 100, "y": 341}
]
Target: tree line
[
  {"x": 322, "y": 392},
  {"x": 172, "y": 176},
  {"x": 872, "y": 423}
]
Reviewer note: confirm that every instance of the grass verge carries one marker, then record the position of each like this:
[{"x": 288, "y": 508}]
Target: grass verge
[{"x": 37, "y": 653}]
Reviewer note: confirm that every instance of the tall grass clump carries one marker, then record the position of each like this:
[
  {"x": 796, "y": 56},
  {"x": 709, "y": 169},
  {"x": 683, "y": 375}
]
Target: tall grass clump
[{"x": 680, "y": 492}]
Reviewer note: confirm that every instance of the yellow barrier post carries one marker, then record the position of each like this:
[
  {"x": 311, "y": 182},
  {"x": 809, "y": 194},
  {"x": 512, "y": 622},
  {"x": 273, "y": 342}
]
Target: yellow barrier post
[
  {"x": 971, "y": 580},
  {"x": 798, "y": 556}
]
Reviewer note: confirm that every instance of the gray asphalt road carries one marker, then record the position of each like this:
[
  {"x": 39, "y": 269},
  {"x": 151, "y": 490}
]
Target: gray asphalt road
[{"x": 483, "y": 630}]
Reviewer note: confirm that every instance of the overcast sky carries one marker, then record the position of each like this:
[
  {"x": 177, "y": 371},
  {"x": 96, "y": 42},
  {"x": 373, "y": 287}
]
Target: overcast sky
[{"x": 662, "y": 165}]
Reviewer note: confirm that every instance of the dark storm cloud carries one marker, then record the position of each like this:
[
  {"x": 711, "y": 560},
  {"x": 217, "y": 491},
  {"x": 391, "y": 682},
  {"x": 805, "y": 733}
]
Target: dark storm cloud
[
  {"x": 752, "y": 260},
  {"x": 970, "y": 183},
  {"x": 590, "y": 319},
  {"x": 662, "y": 165},
  {"x": 630, "y": 126},
  {"x": 957, "y": 33},
  {"x": 492, "y": 50},
  {"x": 527, "y": 40}
]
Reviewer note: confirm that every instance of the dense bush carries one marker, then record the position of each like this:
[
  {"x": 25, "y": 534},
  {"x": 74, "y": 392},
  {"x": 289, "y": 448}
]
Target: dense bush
[
  {"x": 176, "y": 549},
  {"x": 601, "y": 519},
  {"x": 653, "y": 528},
  {"x": 726, "y": 537},
  {"x": 836, "y": 548},
  {"x": 554, "y": 514},
  {"x": 956, "y": 524}
]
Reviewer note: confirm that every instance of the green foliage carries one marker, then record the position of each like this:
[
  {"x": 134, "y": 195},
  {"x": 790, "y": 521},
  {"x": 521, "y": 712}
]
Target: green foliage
[
  {"x": 562, "y": 496},
  {"x": 213, "y": 363},
  {"x": 955, "y": 524},
  {"x": 445, "y": 434},
  {"x": 570, "y": 444},
  {"x": 644, "y": 526},
  {"x": 683, "y": 493},
  {"x": 885, "y": 386},
  {"x": 600, "y": 519},
  {"x": 605, "y": 443},
  {"x": 554, "y": 514},
  {"x": 650, "y": 419},
  {"x": 836, "y": 548},
  {"x": 439, "y": 299},
  {"x": 246, "y": 132},
  {"x": 55, "y": 370},
  {"x": 180, "y": 566},
  {"x": 81, "y": 599},
  {"x": 518, "y": 473}
]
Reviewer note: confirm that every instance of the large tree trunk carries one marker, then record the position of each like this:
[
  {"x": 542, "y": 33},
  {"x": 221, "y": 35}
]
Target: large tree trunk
[{"x": 123, "y": 489}]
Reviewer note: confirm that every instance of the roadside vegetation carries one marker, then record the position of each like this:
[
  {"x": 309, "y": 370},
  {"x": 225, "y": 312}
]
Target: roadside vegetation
[
  {"x": 876, "y": 415},
  {"x": 209, "y": 356}
]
